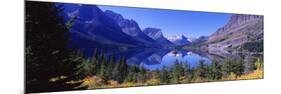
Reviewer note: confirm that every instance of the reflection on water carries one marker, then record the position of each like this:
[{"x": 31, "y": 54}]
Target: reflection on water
[
  {"x": 153, "y": 58},
  {"x": 172, "y": 56}
]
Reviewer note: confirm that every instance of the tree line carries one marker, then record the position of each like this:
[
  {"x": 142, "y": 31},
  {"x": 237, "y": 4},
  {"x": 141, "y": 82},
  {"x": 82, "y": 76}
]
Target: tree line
[{"x": 181, "y": 72}]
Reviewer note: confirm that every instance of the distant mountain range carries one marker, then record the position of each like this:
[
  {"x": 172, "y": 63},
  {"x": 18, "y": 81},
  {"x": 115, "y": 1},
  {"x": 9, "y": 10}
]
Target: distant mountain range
[{"x": 93, "y": 27}]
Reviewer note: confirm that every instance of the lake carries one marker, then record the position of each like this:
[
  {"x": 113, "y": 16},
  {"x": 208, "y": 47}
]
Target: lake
[
  {"x": 173, "y": 56},
  {"x": 152, "y": 58}
]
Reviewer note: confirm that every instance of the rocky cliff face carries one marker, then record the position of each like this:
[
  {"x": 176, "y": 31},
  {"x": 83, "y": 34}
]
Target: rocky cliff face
[
  {"x": 92, "y": 27},
  {"x": 131, "y": 28},
  {"x": 240, "y": 29},
  {"x": 157, "y": 35}
]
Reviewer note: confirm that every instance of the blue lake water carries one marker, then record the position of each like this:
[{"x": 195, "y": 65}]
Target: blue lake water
[
  {"x": 154, "y": 58},
  {"x": 170, "y": 58}
]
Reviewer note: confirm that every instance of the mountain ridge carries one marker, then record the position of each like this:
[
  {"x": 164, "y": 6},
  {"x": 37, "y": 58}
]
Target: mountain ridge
[
  {"x": 92, "y": 24},
  {"x": 240, "y": 29},
  {"x": 157, "y": 35},
  {"x": 131, "y": 28}
]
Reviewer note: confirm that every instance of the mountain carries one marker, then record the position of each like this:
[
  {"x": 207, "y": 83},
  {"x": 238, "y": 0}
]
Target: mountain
[
  {"x": 157, "y": 35},
  {"x": 131, "y": 28},
  {"x": 92, "y": 27},
  {"x": 240, "y": 29},
  {"x": 200, "y": 40},
  {"x": 179, "y": 40}
]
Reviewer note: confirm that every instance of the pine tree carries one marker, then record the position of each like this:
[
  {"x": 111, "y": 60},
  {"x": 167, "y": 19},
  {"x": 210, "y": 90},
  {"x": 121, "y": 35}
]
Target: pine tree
[
  {"x": 110, "y": 68},
  {"x": 121, "y": 70},
  {"x": 164, "y": 76},
  {"x": 237, "y": 67},
  {"x": 94, "y": 61},
  {"x": 186, "y": 69},
  {"x": 132, "y": 76},
  {"x": 177, "y": 71},
  {"x": 85, "y": 68},
  {"x": 226, "y": 67},
  {"x": 47, "y": 55},
  {"x": 96, "y": 54},
  {"x": 215, "y": 70},
  {"x": 102, "y": 69},
  {"x": 142, "y": 74},
  {"x": 201, "y": 69}
]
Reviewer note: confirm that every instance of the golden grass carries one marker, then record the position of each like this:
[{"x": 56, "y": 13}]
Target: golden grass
[
  {"x": 257, "y": 74},
  {"x": 97, "y": 82},
  {"x": 153, "y": 81}
]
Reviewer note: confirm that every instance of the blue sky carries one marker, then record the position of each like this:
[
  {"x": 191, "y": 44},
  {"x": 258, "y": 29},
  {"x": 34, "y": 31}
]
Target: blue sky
[{"x": 172, "y": 22}]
